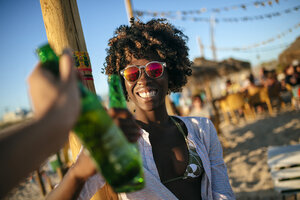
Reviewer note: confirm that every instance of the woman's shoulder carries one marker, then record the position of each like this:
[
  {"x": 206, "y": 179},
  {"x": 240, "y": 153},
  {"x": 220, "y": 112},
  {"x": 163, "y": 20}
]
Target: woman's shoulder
[
  {"x": 200, "y": 129},
  {"x": 197, "y": 124},
  {"x": 195, "y": 120}
]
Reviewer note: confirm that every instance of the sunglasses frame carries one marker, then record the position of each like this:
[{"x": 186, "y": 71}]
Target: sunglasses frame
[{"x": 163, "y": 64}]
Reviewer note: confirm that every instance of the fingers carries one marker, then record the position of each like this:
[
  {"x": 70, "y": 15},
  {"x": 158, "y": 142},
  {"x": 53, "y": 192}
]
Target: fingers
[
  {"x": 66, "y": 65},
  {"x": 42, "y": 89},
  {"x": 37, "y": 73},
  {"x": 130, "y": 129},
  {"x": 48, "y": 91},
  {"x": 67, "y": 70},
  {"x": 84, "y": 166},
  {"x": 36, "y": 70},
  {"x": 125, "y": 120},
  {"x": 34, "y": 73},
  {"x": 120, "y": 113}
]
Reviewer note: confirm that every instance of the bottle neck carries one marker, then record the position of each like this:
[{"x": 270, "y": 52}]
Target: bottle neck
[{"x": 116, "y": 95}]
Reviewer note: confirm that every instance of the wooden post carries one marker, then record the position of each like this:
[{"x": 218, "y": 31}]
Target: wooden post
[
  {"x": 212, "y": 37},
  {"x": 201, "y": 47},
  {"x": 63, "y": 28},
  {"x": 129, "y": 9},
  {"x": 38, "y": 178}
]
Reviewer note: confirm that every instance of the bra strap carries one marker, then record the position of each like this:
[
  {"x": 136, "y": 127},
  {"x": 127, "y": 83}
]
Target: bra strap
[{"x": 178, "y": 126}]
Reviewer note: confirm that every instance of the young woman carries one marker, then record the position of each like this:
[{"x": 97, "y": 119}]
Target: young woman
[{"x": 182, "y": 156}]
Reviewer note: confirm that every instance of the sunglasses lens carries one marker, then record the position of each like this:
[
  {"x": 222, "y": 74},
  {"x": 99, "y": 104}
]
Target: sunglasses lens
[
  {"x": 154, "y": 70},
  {"x": 131, "y": 74}
]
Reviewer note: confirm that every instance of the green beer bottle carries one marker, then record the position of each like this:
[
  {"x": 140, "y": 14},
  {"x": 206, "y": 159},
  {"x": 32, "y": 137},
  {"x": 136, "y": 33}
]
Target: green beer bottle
[
  {"x": 118, "y": 160},
  {"x": 116, "y": 95},
  {"x": 117, "y": 100}
]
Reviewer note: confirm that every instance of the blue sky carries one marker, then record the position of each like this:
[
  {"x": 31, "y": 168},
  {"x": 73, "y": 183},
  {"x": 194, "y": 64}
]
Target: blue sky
[{"x": 22, "y": 30}]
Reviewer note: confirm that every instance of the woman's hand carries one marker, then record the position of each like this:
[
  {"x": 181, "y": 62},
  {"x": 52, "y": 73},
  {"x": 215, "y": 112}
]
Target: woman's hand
[
  {"x": 125, "y": 120},
  {"x": 84, "y": 167},
  {"x": 74, "y": 180}
]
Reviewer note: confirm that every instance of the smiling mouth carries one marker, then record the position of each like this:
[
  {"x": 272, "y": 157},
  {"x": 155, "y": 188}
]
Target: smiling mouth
[{"x": 147, "y": 94}]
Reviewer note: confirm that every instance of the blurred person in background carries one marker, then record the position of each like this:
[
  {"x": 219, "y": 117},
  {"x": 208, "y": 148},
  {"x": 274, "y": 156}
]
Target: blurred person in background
[
  {"x": 231, "y": 88},
  {"x": 252, "y": 93},
  {"x": 274, "y": 88},
  {"x": 185, "y": 102},
  {"x": 200, "y": 108},
  {"x": 285, "y": 94},
  {"x": 262, "y": 75},
  {"x": 175, "y": 99},
  {"x": 251, "y": 88},
  {"x": 297, "y": 71},
  {"x": 292, "y": 81},
  {"x": 291, "y": 76}
]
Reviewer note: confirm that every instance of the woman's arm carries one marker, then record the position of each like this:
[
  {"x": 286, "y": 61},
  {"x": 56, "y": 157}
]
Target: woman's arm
[{"x": 75, "y": 179}]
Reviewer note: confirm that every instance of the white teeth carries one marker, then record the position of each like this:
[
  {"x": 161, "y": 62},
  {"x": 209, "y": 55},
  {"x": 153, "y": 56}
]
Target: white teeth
[{"x": 147, "y": 94}]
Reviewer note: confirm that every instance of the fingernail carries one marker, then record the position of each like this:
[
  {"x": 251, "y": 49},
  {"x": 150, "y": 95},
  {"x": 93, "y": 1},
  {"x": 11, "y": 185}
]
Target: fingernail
[
  {"x": 67, "y": 51},
  {"x": 65, "y": 64}
]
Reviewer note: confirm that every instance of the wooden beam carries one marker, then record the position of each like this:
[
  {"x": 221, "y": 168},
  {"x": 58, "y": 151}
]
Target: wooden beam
[
  {"x": 129, "y": 10},
  {"x": 63, "y": 28}
]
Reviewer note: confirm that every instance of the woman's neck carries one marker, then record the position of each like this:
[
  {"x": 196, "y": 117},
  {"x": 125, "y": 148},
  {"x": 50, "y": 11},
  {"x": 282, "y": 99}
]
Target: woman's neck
[{"x": 157, "y": 116}]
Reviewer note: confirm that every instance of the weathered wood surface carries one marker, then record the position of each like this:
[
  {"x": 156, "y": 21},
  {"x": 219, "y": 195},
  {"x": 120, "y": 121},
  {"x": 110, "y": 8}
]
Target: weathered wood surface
[
  {"x": 63, "y": 28},
  {"x": 284, "y": 163},
  {"x": 283, "y": 156}
]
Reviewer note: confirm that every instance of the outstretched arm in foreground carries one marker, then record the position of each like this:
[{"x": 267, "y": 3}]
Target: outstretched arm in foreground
[{"x": 56, "y": 104}]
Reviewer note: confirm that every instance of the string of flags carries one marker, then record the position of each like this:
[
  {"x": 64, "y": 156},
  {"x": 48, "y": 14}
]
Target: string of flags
[
  {"x": 265, "y": 49},
  {"x": 261, "y": 43},
  {"x": 245, "y": 18},
  {"x": 204, "y": 10},
  {"x": 235, "y": 19}
]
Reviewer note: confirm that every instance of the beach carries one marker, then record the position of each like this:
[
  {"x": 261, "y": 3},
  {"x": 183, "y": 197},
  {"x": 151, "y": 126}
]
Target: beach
[{"x": 245, "y": 153}]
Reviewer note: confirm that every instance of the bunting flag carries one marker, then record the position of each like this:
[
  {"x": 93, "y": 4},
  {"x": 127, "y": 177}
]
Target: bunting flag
[
  {"x": 245, "y": 48},
  {"x": 227, "y": 19},
  {"x": 83, "y": 64},
  {"x": 257, "y": 50},
  {"x": 169, "y": 14}
]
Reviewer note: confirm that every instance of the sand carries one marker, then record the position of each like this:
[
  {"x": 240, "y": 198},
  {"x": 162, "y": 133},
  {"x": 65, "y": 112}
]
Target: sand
[
  {"x": 245, "y": 153},
  {"x": 29, "y": 188}
]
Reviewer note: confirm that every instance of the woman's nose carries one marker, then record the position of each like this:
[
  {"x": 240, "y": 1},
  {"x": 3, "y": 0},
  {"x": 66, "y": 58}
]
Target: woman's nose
[{"x": 144, "y": 77}]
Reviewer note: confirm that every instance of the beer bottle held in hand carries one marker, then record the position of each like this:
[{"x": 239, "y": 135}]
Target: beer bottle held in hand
[
  {"x": 116, "y": 95},
  {"x": 118, "y": 160},
  {"x": 117, "y": 100}
]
